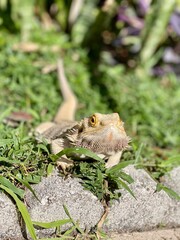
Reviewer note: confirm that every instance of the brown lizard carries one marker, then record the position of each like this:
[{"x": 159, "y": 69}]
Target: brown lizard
[{"x": 103, "y": 134}]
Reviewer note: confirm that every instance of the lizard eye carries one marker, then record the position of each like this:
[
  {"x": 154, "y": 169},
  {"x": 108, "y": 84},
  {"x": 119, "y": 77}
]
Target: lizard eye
[{"x": 93, "y": 120}]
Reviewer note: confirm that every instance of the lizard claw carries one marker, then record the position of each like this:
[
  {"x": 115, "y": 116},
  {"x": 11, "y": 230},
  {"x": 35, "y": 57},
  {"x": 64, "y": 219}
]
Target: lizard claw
[{"x": 64, "y": 164}]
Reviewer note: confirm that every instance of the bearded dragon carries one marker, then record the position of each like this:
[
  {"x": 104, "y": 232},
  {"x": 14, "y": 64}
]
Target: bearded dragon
[{"x": 104, "y": 134}]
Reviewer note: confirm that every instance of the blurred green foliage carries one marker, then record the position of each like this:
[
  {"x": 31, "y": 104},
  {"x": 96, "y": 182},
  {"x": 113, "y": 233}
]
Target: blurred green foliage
[
  {"x": 86, "y": 35},
  {"x": 111, "y": 52},
  {"x": 132, "y": 31}
]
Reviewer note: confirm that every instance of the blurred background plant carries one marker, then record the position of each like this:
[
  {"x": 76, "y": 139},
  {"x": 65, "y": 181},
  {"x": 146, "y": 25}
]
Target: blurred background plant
[
  {"x": 120, "y": 55},
  {"x": 131, "y": 32}
]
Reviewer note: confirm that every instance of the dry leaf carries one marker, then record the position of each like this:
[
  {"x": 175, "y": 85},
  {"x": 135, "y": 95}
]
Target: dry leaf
[
  {"x": 49, "y": 68},
  {"x": 15, "y": 118},
  {"x": 27, "y": 47}
]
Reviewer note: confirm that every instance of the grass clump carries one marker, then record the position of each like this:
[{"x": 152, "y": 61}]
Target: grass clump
[
  {"x": 21, "y": 157},
  {"x": 103, "y": 182},
  {"x": 149, "y": 107}
]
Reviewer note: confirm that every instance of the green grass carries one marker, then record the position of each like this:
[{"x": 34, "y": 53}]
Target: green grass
[
  {"x": 21, "y": 156},
  {"x": 150, "y": 108}
]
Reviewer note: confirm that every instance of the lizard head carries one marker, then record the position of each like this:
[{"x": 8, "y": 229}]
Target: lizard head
[{"x": 102, "y": 133}]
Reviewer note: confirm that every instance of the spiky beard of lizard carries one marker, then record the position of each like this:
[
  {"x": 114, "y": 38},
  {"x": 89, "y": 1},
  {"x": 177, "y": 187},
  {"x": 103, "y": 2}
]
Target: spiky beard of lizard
[
  {"x": 101, "y": 133},
  {"x": 106, "y": 141}
]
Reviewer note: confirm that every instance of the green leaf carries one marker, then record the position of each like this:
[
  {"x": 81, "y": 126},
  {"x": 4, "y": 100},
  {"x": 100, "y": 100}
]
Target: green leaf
[
  {"x": 99, "y": 175},
  {"x": 33, "y": 178},
  {"x": 125, "y": 186},
  {"x": 172, "y": 161},
  {"x": 119, "y": 166},
  {"x": 155, "y": 29},
  {"x": 4, "y": 142},
  {"x": 4, "y": 159},
  {"x": 5, "y": 113},
  {"x": 169, "y": 191},
  {"x": 23, "y": 210},
  {"x": 43, "y": 147},
  {"x": 33, "y": 113},
  {"x": 126, "y": 177},
  {"x": 50, "y": 169},
  {"x": 69, "y": 231},
  {"x": 52, "y": 224},
  {"x": 81, "y": 151},
  {"x": 28, "y": 186},
  {"x": 72, "y": 220},
  {"x": 4, "y": 181},
  {"x": 138, "y": 154},
  {"x": 16, "y": 143}
]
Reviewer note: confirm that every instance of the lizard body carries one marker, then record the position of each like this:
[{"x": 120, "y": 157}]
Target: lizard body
[{"x": 103, "y": 134}]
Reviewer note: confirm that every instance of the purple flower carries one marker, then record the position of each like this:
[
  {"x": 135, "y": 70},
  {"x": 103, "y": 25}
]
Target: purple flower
[
  {"x": 175, "y": 22},
  {"x": 122, "y": 16},
  {"x": 130, "y": 20},
  {"x": 161, "y": 70},
  {"x": 143, "y": 6}
]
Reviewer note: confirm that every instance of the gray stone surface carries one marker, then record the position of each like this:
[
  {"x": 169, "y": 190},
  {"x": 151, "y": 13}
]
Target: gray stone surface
[
  {"x": 150, "y": 210},
  {"x": 165, "y": 234},
  {"x": 53, "y": 192},
  {"x": 9, "y": 224},
  {"x": 172, "y": 179}
]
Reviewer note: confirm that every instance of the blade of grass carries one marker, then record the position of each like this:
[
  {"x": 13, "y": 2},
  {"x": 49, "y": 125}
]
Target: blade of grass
[
  {"x": 119, "y": 166},
  {"x": 82, "y": 151},
  {"x": 43, "y": 147},
  {"x": 5, "y": 182},
  {"x": 28, "y": 186},
  {"x": 72, "y": 220},
  {"x": 6, "y": 160},
  {"x": 33, "y": 179},
  {"x": 52, "y": 224},
  {"x": 125, "y": 186},
  {"x": 4, "y": 142},
  {"x": 23, "y": 210},
  {"x": 50, "y": 169},
  {"x": 172, "y": 161},
  {"x": 138, "y": 154},
  {"x": 5, "y": 113},
  {"x": 69, "y": 231},
  {"x": 169, "y": 191},
  {"x": 156, "y": 28},
  {"x": 126, "y": 177}
]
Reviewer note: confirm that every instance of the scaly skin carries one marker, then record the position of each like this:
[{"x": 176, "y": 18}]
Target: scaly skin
[{"x": 104, "y": 134}]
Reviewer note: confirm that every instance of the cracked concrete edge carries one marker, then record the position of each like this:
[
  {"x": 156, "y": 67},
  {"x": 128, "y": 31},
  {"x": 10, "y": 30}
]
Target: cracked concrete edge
[
  {"x": 149, "y": 210},
  {"x": 159, "y": 234},
  {"x": 54, "y": 192},
  {"x": 19, "y": 237}
]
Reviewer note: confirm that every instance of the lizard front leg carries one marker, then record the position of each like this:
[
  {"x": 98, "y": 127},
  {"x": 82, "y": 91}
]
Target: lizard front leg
[
  {"x": 114, "y": 160},
  {"x": 43, "y": 127},
  {"x": 63, "y": 162}
]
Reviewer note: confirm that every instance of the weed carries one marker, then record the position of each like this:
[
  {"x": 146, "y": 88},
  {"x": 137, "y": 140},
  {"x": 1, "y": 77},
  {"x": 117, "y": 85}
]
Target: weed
[{"x": 149, "y": 106}]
